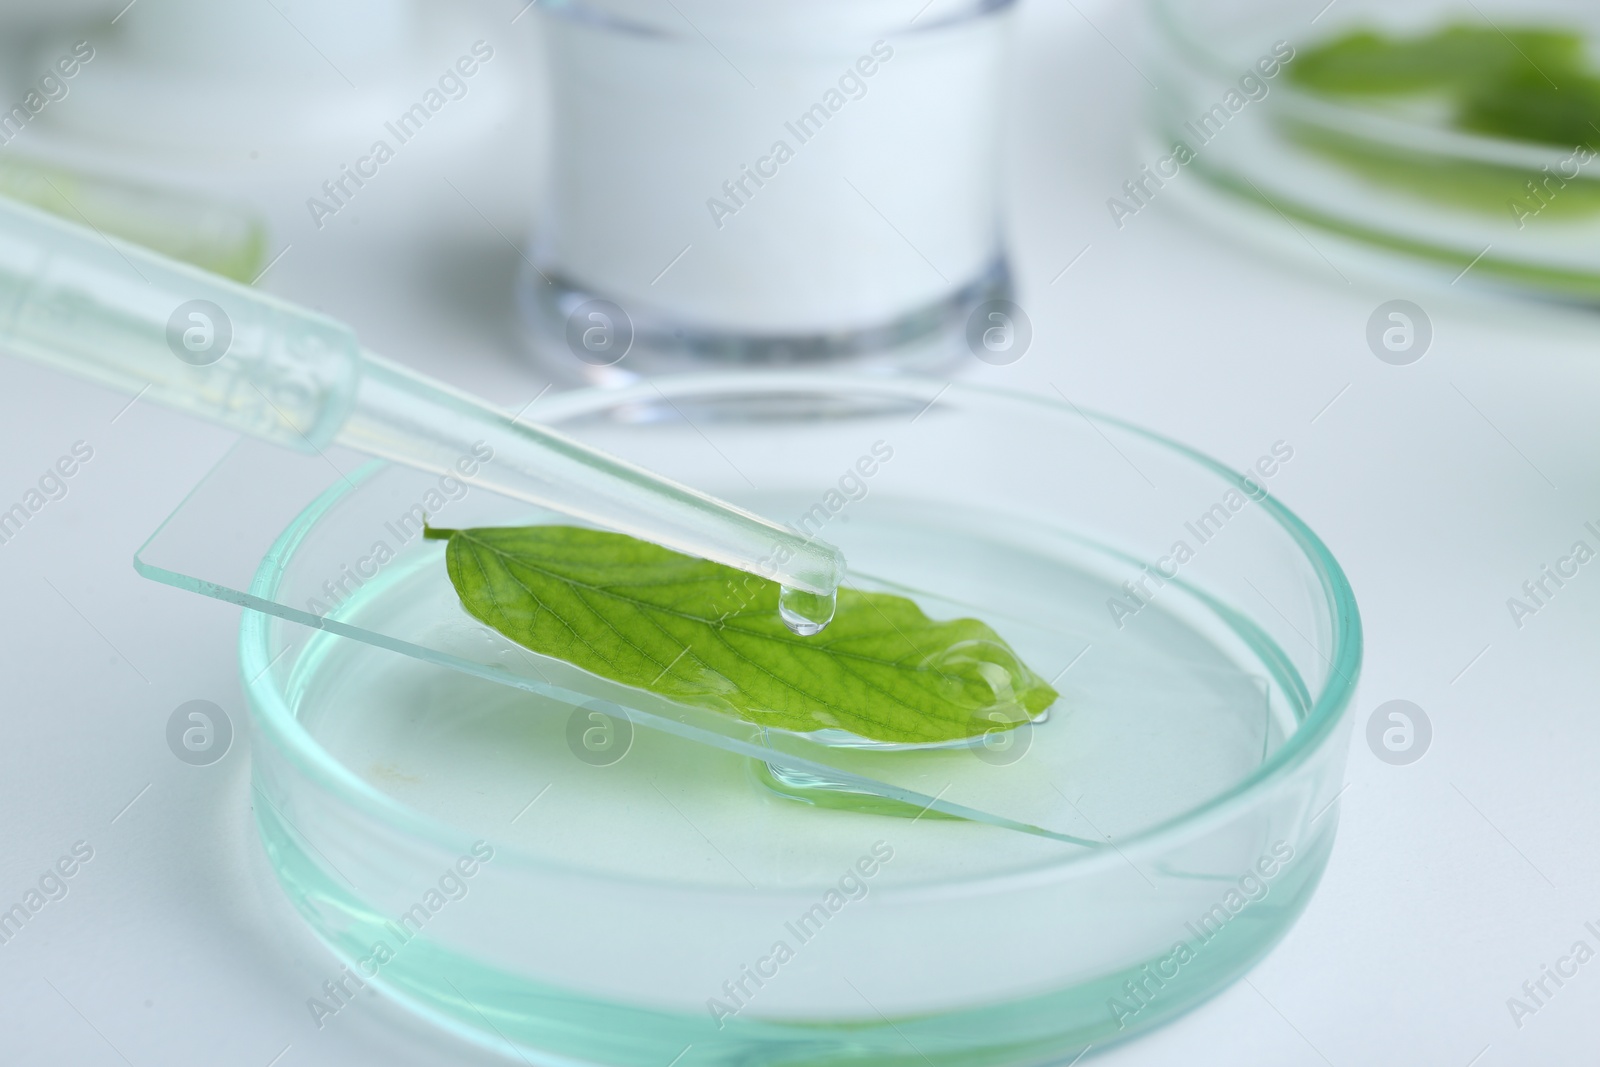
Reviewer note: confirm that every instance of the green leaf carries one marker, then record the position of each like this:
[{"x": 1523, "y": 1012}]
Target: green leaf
[
  {"x": 709, "y": 635},
  {"x": 1453, "y": 57},
  {"x": 1530, "y": 108},
  {"x": 1527, "y": 83}
]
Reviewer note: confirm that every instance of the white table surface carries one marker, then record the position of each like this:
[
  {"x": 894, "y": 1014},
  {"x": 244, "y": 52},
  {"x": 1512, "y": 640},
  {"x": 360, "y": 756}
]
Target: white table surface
[{"x": 1441, "y": 487}]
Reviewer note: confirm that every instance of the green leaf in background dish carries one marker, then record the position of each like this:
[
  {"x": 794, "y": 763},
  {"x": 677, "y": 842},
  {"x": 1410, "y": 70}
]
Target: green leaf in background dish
[
  {"x": 1526, "y": 84},
  {"x": 709, "y": 635},
  {"x": 215, "y": 237},
  {"x": 1367, "y": 63},
  {"x": 1527, "y": 107}
]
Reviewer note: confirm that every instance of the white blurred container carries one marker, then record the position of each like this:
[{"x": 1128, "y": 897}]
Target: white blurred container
[{"x": 767, "y": 183}]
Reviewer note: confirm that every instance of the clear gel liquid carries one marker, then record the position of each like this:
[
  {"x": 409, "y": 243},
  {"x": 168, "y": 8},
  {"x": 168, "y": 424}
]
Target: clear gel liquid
[{"x": 806, "y": 613}]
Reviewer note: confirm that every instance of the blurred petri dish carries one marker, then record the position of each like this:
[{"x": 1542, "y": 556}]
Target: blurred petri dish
[{"x": 1437, "y": 140}]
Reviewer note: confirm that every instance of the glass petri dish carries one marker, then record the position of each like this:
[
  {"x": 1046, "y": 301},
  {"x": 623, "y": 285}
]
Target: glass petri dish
[
  {"x": 540, "y": 871},
  {"x": 1441, "y": 174}
]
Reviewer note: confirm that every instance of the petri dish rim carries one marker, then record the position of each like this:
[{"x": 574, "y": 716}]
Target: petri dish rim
[{"x": 273, "y": 714}]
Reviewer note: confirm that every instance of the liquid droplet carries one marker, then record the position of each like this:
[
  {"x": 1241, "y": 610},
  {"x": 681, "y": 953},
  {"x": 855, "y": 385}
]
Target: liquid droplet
[
  {"x": 806, "y": 613},
  {"x": 983, "y": 677}
]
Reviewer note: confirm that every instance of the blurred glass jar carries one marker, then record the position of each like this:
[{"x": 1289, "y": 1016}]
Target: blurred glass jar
[
  {"x": 1437, "y": 137},
  {"x": 762, "y": 184}
]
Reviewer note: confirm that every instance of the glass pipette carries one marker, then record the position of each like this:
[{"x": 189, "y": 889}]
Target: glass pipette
[{"x": 149, "y": 326}]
